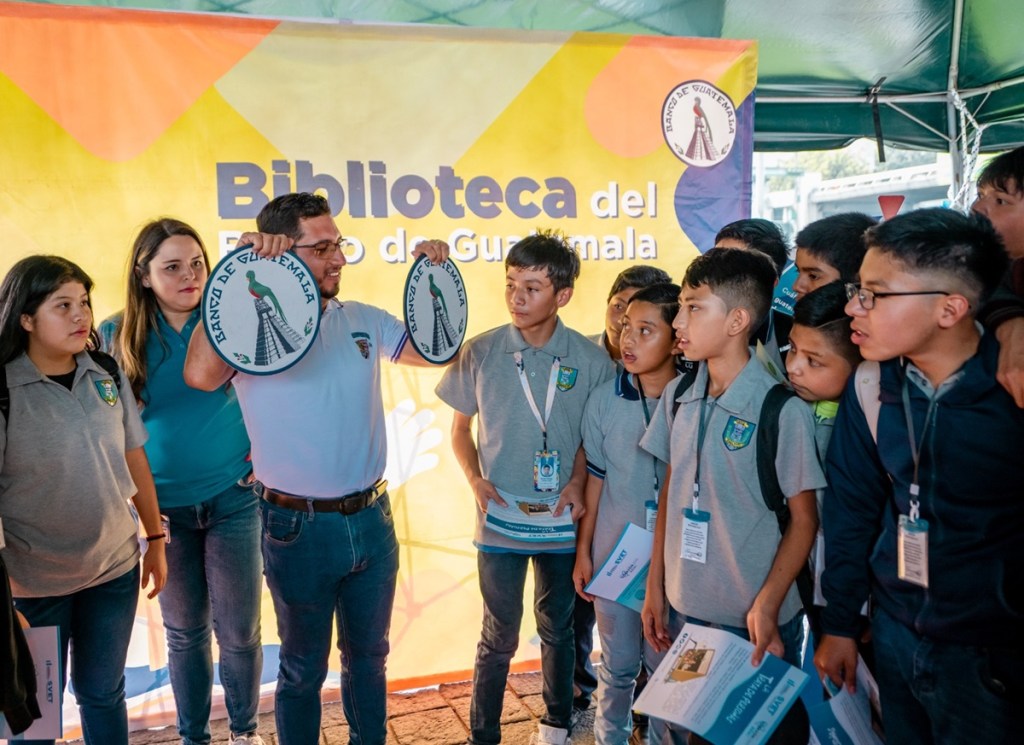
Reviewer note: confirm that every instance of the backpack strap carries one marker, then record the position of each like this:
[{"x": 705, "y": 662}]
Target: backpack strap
[
  {"x": 768, "y": 478},
  {"x": 867, "y": 382},
  {"x": 108, "y": 363},
  {"x": 5, "y": 394},
  {"x": 689, "y": 374}
]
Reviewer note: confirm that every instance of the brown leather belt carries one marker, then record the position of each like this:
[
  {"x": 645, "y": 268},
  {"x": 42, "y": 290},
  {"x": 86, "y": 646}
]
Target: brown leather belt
[{"x": 347, "y": 505}]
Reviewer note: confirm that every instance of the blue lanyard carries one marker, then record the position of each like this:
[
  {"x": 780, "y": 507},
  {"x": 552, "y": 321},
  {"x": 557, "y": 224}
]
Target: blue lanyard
[
  {"x": 705, "y": 409},
  {"x": 915, "y": 453}
]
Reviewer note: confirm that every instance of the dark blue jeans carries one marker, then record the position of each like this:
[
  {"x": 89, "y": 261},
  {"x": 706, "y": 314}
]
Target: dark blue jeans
[
  {"x": 214, "y": 582},
  {"x": 97, "y": 624},
  {"x": 502, "y": 580},
  {"x": 936, "y": 692},
  {"x": 323, "y": 568}
]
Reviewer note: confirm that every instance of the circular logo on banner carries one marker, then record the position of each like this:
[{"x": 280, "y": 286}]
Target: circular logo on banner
[
  {"x": 435, "y": 309},
  {"x": 699, "y": 123},
  {"x": 261, "y": 315}
]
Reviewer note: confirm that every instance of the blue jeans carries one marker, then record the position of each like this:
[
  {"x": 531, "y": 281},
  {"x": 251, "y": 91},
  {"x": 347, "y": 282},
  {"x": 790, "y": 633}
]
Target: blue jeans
[
  {"x": 936, "y": 692},
  {"x": 214, "y": 582},
  {"x": 97, "y": 623},
  {"x": 623, "y": 651},
  {"x": 584, "y": 679},
  {"x": 323, "y": 567},
  {"x": 502, "y": 580}
]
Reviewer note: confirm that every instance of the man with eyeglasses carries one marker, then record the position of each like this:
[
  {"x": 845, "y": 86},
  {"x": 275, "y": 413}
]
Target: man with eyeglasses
[
  {"x": 319, "y": 447},
  {"x": 926, "y": 514}
]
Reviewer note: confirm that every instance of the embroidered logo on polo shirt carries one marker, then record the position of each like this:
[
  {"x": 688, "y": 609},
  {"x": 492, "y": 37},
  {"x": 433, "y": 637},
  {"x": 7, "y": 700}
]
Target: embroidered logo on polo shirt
[
  {"x": 107, "y": 391},
  {"x": 362, "y": 340},
  {"x": 738, "y": 433},
  {"x": 566, "y": 377}
]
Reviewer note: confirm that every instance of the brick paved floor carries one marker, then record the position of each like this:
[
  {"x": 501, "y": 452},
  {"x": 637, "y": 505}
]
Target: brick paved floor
[{"x": 429, "y": 717}]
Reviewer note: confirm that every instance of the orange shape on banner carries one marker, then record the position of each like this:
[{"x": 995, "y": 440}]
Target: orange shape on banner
[
  {"x": 623, "y": 105},
  {"x": 890, "y": 204},
  {"x": 114, "y": 79}
]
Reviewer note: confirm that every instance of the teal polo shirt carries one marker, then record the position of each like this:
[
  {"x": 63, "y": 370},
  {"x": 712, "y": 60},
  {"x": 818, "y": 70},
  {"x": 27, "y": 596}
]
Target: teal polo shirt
[{"x": 197, "y": 443}]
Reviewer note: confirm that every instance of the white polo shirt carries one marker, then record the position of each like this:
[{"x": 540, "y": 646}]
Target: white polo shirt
[{"x": 317, "y": 428}]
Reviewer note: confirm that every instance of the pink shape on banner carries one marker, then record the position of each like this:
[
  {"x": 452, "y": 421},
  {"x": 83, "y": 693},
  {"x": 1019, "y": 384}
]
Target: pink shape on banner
[{"x": 890, "y": 204}]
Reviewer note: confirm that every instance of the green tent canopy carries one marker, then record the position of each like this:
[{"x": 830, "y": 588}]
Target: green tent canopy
[{"x": 921, "y": 74}]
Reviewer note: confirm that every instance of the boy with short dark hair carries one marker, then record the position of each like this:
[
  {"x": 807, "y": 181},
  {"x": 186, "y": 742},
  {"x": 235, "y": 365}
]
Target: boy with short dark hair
[
  {"x": 1001, "y": 200},
  {"x": 733, "y": 570},
  {"x": 528, "y": 381},
  {"x": 927, "y": 515},
  {"x": 830, "y": 249},
  {"x": 758, "y": 234}
]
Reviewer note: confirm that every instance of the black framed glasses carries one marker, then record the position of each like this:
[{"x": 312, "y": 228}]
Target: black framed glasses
[
  {"x": 323, "y": 249},
  {"x": 867, "y": 298}
]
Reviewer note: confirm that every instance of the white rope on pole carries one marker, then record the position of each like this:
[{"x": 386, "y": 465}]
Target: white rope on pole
[{"x": 970, "y": 147}]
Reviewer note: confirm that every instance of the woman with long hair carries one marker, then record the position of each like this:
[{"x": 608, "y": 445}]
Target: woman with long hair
[
  {"x": 71, "y": 457},
  {"x": 199, "y": 453}
]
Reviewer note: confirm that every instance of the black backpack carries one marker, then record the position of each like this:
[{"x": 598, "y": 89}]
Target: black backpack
[
  {"x": 768, "y": 478},
  {"x": 104, "y": 360}
]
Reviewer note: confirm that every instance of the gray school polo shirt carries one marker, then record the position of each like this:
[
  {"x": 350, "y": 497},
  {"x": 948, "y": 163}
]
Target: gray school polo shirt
[
  {"x": 743, "y": 535},
  {"x": 484, "y": 381},
  {"x": 613, "y": 424},
  {"x": 64, "y": 481}
]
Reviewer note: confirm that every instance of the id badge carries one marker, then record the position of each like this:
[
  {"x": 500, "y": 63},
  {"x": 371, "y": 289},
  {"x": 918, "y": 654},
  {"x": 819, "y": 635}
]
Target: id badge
[
  {"x": 650, "y": 514},
  {"x": 695, "y": 536},
  {"x": 912, "y": 551},
  {"x": 545, "y": 470}
]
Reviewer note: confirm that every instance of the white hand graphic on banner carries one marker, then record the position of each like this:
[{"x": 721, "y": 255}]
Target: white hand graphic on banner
[{"x": 410, "y": 437}]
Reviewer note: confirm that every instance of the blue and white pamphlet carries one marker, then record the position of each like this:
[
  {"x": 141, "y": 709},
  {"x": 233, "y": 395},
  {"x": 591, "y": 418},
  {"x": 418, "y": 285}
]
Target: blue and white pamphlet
[
  {"x": 623, "y": 576},
  {"x": 845, "y": 719},
  {"x": 530, "y": 519},
  {"x": 706, "y": 683}
]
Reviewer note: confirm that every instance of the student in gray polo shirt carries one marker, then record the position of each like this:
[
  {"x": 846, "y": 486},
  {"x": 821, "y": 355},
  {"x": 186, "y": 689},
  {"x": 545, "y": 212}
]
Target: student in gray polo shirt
[
  {"x": 528, "y": 381},
  {"x": 733, "y": 571},
  {"x": 622, "y": 488},
  {"x": 71, "y": 458}
]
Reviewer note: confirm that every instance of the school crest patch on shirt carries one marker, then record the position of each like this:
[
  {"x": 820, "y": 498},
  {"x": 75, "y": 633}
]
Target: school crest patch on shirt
[
  {"x": 107, "y": 390},
  {"x": 362, "y": 341},
  {"x": 566, "y": 377},
  {"x": 738, "y": 433}
]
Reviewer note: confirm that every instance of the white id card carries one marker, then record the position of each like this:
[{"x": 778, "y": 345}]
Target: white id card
[
  {"x": 695, "y": 536},
  {"x": 650, "y": 514},
  {"x": 545, "y": 470},
  {"x": 912, "y": 551}
]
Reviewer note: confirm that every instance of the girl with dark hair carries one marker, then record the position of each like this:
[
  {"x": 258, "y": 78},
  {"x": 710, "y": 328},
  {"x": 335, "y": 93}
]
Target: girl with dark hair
[
  {"x": 622, "y": 487},
  {"x": 199, "y": 452},
  {"x": 71, "y": 457}
]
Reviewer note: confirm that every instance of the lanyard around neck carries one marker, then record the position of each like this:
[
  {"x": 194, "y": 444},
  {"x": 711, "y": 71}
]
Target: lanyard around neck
[
  {"x": 702, "y": 425},
  {"x": 549, "y": 401},
  {"x": 647, "y": 423},
  {"x": 915, "y": 453}
]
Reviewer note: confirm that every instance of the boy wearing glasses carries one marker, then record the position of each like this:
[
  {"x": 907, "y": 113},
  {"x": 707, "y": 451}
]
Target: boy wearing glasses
[
  {"x": 319, "y": 448},
  {"x": 927, "y": 517}
]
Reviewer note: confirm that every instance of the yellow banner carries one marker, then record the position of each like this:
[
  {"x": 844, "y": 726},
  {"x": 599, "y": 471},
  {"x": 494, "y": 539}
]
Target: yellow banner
[{"x": 639, "y": 148}]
